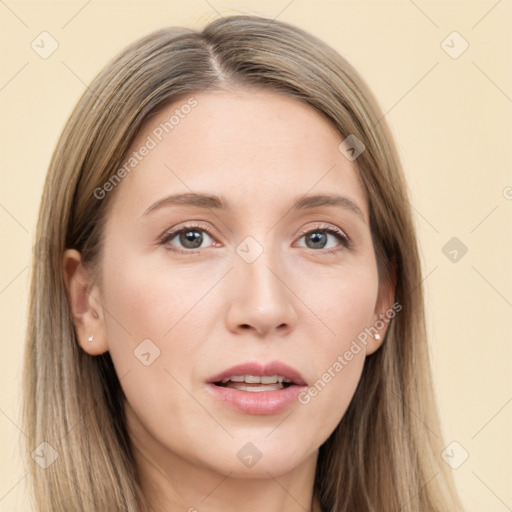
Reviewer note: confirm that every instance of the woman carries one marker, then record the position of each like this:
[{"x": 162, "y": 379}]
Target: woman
[{"x": 229, "y": 312}]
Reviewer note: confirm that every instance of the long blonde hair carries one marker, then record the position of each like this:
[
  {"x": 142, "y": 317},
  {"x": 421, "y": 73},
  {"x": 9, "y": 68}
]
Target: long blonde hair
[{"x": 385, "y": 455}]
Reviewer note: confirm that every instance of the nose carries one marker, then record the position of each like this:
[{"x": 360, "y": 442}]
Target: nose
[{"x": 260, "y": 298}]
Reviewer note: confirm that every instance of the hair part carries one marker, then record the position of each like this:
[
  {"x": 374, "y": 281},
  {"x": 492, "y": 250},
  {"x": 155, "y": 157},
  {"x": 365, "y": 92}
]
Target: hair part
[{"x": 385, "y": 453}]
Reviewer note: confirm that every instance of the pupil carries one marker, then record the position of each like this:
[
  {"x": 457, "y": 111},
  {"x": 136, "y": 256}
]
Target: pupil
[
  {"x": 191, "y": 239},
  {"x": 318, "y": 240}
]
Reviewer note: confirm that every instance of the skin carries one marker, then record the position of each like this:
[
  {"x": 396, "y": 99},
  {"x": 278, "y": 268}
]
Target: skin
[{"x": 209, "y": 309}]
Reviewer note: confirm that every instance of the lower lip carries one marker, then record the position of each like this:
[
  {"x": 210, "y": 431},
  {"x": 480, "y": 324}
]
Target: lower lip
[{"x": 256, "y": 402}]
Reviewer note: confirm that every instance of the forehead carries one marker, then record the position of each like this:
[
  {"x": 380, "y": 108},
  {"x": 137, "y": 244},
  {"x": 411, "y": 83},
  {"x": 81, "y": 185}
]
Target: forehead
[{"x": 252, "y": 145}]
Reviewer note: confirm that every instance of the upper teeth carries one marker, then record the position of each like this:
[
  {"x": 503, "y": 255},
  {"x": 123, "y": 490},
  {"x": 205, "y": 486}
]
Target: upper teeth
[{"x": 254, "y": 379}]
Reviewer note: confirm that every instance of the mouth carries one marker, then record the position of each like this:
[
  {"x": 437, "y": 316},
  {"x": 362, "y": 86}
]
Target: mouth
[
  {"x": 257, "y": 388},
  {"x": 255, "y": 383}
]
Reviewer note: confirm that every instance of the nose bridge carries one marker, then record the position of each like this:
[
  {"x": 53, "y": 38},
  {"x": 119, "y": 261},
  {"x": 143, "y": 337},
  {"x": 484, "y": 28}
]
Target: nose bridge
[{"x": 261, "y": 299}]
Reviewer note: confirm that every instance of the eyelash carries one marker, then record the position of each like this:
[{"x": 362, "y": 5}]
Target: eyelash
[{"x": 340, "y": 235}]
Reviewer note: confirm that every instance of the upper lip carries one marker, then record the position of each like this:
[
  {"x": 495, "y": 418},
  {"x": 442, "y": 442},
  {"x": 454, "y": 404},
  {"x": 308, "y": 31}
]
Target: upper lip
[{"x": 261, "y": 370}]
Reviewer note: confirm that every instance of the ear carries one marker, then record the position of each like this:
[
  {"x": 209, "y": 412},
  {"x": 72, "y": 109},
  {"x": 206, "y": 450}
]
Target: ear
[
  {"x": 384, "y": 311},
  {"x": 85, "y": 304}
]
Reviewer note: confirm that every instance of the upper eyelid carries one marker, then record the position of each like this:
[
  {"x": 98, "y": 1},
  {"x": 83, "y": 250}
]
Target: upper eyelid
[
  {"x": 323, "y": 227},
  {"x": 320, "y": 226}
]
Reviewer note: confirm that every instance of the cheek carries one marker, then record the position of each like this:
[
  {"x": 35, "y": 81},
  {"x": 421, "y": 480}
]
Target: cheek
[
  {"x": 346, "y": 307},
  {"x": 149, "y": 316},
  {"x": 146, "y": 300},
  {"x": 155, "y": 324},
  {"x": 344, "y": 303}
]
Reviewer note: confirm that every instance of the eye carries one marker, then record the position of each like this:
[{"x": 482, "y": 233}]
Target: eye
[
  {"x": 325, "y": 237},
  {"x": 190, "y": 237}
]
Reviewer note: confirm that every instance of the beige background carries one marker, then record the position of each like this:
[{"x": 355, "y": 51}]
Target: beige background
[{"x": 452, "y": 121}]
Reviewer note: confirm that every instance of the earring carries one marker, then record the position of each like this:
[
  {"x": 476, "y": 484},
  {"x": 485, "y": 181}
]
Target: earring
[
  {"x": 90, "y": 338},
  {"x": 377, "y": 336}
]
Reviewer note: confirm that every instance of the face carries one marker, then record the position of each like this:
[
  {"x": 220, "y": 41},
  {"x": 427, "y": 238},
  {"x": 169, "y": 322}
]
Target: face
[{"x": 230, "y": 290}]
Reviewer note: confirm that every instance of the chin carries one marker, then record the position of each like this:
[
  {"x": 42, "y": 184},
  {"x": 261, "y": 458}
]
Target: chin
[{"x": 258, "y": 459}]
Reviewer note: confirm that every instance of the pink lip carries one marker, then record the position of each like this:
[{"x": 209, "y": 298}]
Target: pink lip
[{"x": 263, "y": 402}]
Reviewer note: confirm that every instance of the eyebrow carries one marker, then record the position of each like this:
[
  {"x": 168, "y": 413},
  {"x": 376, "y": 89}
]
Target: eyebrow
[{"x": 218, "y": 203}]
